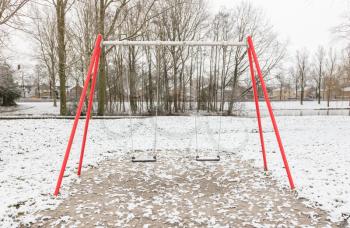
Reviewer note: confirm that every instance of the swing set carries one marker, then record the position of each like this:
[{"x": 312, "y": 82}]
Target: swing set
[{"x": 91, "y": 78}]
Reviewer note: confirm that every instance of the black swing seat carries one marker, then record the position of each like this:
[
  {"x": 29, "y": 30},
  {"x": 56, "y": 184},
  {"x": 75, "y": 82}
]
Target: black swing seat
[
  {"x": 202, "y": 159},
  {"x": 153, "y": 159}
]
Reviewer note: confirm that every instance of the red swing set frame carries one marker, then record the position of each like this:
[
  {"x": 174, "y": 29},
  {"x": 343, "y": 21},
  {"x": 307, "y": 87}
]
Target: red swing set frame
[{"x": 91, "y": 78}]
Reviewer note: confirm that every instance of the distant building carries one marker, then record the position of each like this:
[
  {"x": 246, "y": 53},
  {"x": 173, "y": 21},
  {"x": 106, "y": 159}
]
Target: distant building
[
  {"x": 28, "y": 91},
  {"x": 346, "y": 92},
  {"x": 43, "y": 91},
  {"x": 287, "y": 93},
  {"x": 74, "y": 93}
]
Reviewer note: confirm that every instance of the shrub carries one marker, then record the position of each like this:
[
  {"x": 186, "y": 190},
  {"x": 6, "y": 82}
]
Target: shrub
[{"x": 9, "y": 90}]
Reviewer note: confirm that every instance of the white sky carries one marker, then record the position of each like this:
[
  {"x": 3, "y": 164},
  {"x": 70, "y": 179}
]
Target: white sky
[{"x": 304, "y": 23}]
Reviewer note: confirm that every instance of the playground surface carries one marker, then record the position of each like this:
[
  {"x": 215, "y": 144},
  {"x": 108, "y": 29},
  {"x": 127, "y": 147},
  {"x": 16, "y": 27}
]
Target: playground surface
[
  {"x": 180, "y": 192},
  {"x": 317, "y": 149}
]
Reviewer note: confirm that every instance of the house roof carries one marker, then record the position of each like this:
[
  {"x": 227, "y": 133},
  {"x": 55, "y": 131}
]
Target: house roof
[{"x": 346, "y": 89}]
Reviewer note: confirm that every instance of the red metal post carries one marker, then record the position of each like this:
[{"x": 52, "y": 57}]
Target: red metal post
[
  {"x": 257, "y": 108},
  {"x": 88, "y": 114},
  {"x": 272, "y": 116},
  {"x": 77, "y": 116}
]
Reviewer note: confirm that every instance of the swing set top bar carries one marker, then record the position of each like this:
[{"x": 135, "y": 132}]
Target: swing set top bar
[{"x": 173, "y": 43}]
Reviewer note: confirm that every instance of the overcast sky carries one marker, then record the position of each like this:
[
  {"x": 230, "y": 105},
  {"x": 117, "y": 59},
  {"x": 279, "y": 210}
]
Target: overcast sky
[{"x": 304, "y": 23}]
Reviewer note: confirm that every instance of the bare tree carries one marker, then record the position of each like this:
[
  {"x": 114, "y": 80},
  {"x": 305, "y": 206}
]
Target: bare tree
[
  {"x": 346, "y": 67},
  {"x": 9, "y": 9},
  {"x": 111, "y": 14},
  {"x": 181, "y": 22},
  {"x": 331, "y": 74},
  {"x": 10, "y": 13},
  {"x": 173, "y": 71},
  {"x": 302, "y": 68},
  {"x": 319, "y": 68},
  {"x": 282, "y": 81},
  {"x": 295, "y": 77},
  {"x": 62, "y": 7},
  {"x": 44, "y": 33},
  {"x": 81, "y": 34},
  {"x": 343, "y": 29},
  {"x": 236, "y": 25}
]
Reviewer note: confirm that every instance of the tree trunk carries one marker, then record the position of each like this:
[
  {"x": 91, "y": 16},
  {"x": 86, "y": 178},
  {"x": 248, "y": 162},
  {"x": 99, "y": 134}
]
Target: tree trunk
[
  {"x": 60, "y": 11},
  {"x": 180, "y": 88},
  {"x": 215, "y": 79},
  {"x": 166, "y": 81},
  {"x": 328, "y": 96},
  {"x": 53, "y": 80},
  {"x": 158, "y": 81},
  {"x": 296, "y": 89},
  {"x": 281, "y": 91},
  {"x": 102, "y": 73},
  {"x": 223, "y": 82},
  {"x": 198, "y": 89},
  {"x": 132, "y": 80},
  {"x": 210, "y": 86},
  {"x": 173, "y": 53},
  {"x": 234, "y": 83},
  {"x": 319, "y": 89},
  {"x": 191, "y": 81},
  {"x": 150, "y": 83},
  {"x": 302, "y": 90},
  {"x": 38, "y": 85}
]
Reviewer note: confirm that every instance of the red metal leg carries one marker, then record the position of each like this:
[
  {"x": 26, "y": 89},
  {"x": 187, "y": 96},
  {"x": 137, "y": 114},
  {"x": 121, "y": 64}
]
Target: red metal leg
[
  {"x": 77, "y": 116},
  {"x": 91, "y": 98},
  {"x": 272, "y": 116},
  {"x": 257, "y": 108}
]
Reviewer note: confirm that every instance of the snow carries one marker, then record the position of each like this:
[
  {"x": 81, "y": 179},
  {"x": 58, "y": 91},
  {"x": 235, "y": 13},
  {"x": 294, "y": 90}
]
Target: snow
[
  {"x": 295, "y": 105},
  {"x": 47, "y": 109},
  {"x": 30, "y": 109},
  {"x": 31, "y": 153},
  {"x": 317, "y": 151}
]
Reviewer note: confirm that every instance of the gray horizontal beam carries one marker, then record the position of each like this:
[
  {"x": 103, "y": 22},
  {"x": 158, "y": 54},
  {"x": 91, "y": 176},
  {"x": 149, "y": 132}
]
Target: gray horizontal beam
[{"x": 173, "y": 43}]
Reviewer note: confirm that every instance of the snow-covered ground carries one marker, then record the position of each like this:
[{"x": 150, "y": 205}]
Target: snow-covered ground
[
  {"x": 318, "y": 152},
  {"x": 47, "y": 109},
  {"x": 31, "y": 153},
  {"x": 307, "y": 105},
  {"x": 31, "y": 109}
]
